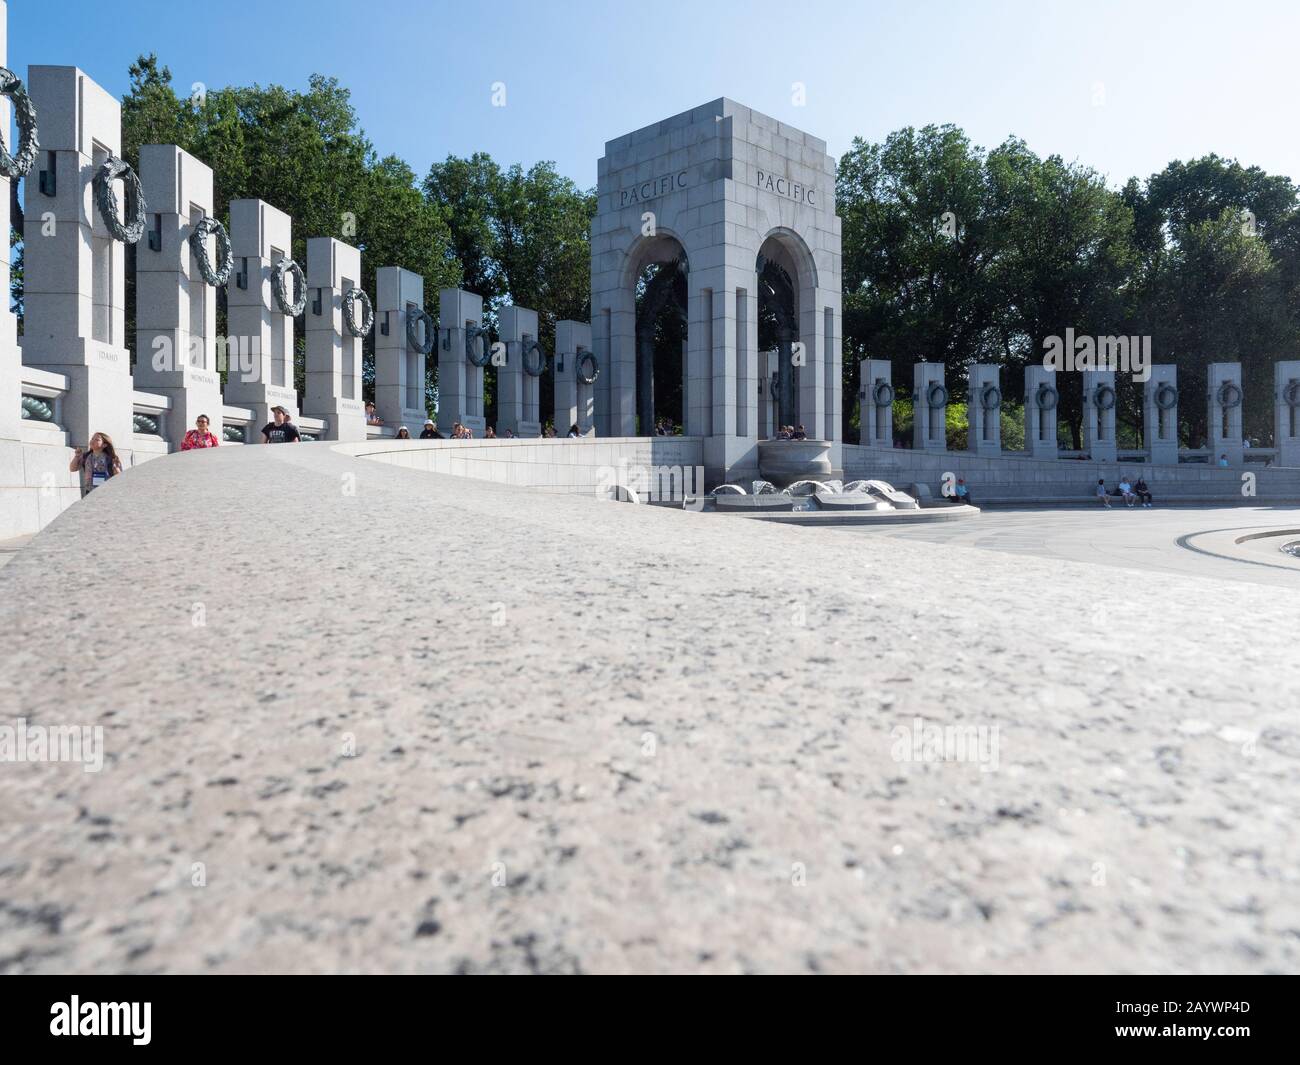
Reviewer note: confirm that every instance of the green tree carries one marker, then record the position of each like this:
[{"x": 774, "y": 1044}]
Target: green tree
[
  {"x": 1066, "y": 261},
  {"x": 523, "y": 238},
  {"x": 1217, "y": 298},
  {"x": 304, "y": 153},
  {"x": 919, "y": 241}
]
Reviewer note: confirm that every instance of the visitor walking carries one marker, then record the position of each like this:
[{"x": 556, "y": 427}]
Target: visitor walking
[
  {"x": 199, "y": 436},
  {"x": 280, "y": 430},
  {"x": 97, "y": 463}
]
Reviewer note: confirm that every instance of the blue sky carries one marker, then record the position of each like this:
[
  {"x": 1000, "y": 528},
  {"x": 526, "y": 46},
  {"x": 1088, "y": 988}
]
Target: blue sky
[{"x": 1122, "y": 87}]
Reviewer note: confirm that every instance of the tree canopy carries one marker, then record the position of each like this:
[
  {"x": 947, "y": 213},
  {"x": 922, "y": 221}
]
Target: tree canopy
[{"x": 959, "y": 255}]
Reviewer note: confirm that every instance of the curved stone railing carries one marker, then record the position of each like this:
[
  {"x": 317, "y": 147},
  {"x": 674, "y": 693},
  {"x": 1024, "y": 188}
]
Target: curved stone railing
[{"x": 584, "y": 465}]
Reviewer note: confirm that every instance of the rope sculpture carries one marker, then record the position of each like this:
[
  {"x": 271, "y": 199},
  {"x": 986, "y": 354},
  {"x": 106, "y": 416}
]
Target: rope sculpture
[
  {"x": 350, "y": 298},
  {"x": 534, "y": 346},
  {"x": 127, "y": 231},
  {"x": 1046, "y": 397},
  {"x": 1166, "y": 396},
  {"x": 585, "y": 357},
  {"x": 484, "y": 353},
  {"x": 198, "y": 242},
  {"x": 37, "y": 409},
  {"x": 936, "y": 395},
  {"x": 281, "y": 294},
  {"x": 1229, "y": 395},
  {"x": 413, "y": 320},
  {"x": 15, "y": 166},
  {"x": 1103, "y": 397},
  {"x": 991, "y": 398},
  {"x": 883, "y": 394}
]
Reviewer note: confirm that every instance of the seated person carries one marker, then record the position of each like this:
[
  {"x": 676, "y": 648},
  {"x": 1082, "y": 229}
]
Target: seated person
[
  {"x": 961, "y": 494},
  {"x": 430, "y": 431},
  {"x": 1101, "y": 493},
  {"x": 1142, "y": 492},
  {"x": 1126, "y": 490}
]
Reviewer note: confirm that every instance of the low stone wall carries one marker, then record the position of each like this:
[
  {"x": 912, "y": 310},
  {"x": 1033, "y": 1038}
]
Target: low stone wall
[
  {"x": 564, "y": 466},
  {"x": 1018, "y": 478},
  {"x": 35, "y": 484}
]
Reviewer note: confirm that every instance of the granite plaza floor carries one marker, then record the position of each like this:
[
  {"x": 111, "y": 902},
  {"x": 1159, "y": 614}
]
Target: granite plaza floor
[
  {"x": 1142, "y": 540},
  {"x": 364, "y": 718}
]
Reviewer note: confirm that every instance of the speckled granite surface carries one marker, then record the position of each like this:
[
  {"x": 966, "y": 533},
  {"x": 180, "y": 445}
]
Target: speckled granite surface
[{"x": 592, "y": 737}]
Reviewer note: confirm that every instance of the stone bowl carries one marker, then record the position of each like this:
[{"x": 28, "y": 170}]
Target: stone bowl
[{"x": 785, "y": 461}]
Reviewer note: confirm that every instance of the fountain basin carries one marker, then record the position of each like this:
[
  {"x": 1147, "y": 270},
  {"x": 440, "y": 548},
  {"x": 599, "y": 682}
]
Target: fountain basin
[
  {"x": 785, "y": 461},
  {"x": 766, "y": 503}
]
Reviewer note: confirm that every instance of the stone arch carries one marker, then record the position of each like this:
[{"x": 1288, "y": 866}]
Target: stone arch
[
  {"x": 663, "y": 247},
  {"x": 632, "y": 396},
  {"x": 795, "y": 249},
  {"x": 719, "y": 182},
  {"x": 792, "y": 385}
]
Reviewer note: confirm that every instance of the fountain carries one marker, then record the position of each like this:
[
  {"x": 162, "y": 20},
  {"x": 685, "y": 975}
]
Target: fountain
[
  {"x": 810, "y": 495},
  {"x": 782, "y": 462}
]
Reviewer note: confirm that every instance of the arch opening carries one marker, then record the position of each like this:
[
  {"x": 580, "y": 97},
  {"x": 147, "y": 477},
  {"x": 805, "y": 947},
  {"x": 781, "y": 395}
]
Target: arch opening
[
  {"x": 785, "y": 283},
  {"x": 660, "y": 289}
]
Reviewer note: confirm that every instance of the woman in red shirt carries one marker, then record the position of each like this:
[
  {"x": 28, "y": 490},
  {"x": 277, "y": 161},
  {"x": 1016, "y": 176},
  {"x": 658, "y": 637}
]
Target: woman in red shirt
[{"x": 199, "y": 437}]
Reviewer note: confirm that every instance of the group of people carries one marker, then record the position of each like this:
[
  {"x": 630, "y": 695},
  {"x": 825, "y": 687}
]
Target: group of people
[
  {"x": 99, "y": 461},
  {"x": 791, "y": 432},
  {"x": 1129, "y": 491},
  {"x": 664, "y": 427}
]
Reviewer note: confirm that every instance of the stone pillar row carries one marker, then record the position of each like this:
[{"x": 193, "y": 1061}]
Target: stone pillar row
[
  {"x": 1159, "y": 398},
  {"x": 75, "y": 306}
]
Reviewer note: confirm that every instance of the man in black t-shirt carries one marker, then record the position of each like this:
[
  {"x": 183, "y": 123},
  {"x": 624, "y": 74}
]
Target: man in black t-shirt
[{"x": 281, "y": 430}]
